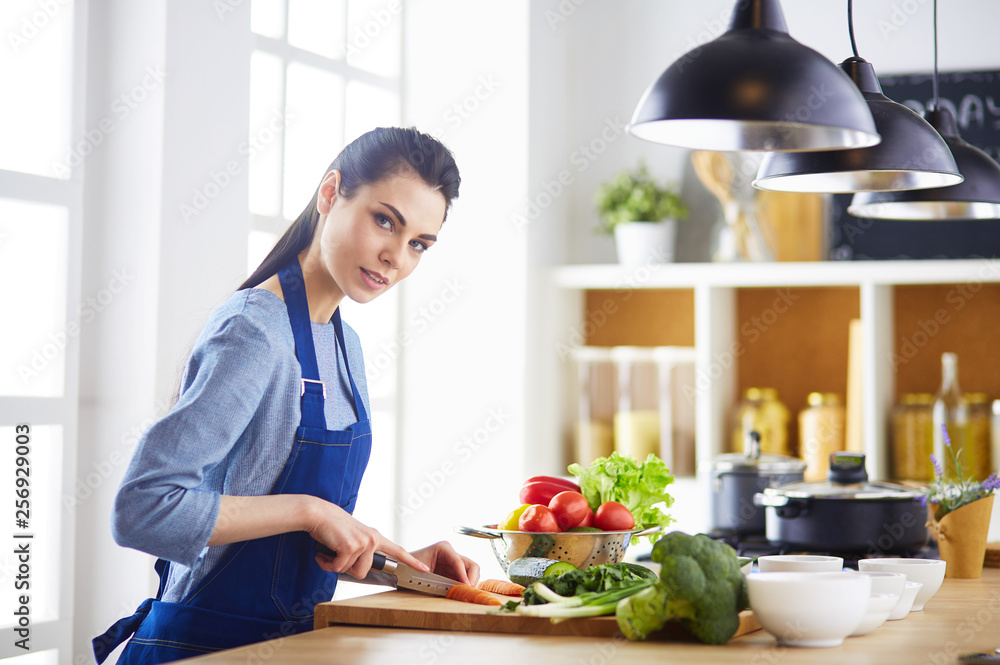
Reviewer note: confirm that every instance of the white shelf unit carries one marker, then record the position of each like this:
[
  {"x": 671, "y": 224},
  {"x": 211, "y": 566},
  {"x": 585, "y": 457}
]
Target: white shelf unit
[{"x": 715, "y": 287}]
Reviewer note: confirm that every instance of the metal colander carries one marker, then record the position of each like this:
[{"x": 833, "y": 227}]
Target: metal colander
[{"x": 582, "y": 549}]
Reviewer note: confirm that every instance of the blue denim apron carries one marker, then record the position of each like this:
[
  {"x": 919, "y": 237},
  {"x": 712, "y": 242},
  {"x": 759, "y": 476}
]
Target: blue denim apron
[{"x": 265, "y": 588}]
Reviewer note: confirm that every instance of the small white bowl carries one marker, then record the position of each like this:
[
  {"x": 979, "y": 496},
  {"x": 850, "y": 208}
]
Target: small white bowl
[
  {"x": 886, "y": 582},
  {"x": 880, "y": 605},
  {"x": 929, "y": 572},
  {"x": 800, "y": 563},
  {"x": 906, "y": 601},
  {"x": 809, "y": 609}
]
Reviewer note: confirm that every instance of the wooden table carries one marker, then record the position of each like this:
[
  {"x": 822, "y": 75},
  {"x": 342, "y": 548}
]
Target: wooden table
[{"x": 964, "y": 616}]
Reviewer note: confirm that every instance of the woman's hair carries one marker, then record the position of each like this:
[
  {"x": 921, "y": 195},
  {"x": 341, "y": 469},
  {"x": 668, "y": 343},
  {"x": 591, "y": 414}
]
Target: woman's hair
[{"x": 368, "y": 159}]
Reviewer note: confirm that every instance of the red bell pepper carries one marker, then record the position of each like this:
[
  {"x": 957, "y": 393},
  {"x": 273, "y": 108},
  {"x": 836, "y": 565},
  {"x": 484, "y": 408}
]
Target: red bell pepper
[{"x": 541, "y": 489}]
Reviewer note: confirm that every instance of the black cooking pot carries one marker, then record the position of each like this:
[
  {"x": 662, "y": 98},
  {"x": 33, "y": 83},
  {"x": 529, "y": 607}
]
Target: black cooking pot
[
  {"x": 846, "y": 514},
  {"x": 737, "y": 477}
]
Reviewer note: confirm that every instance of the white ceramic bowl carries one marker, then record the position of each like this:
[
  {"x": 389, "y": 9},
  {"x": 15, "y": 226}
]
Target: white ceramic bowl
[
  {"x": 800, "y": 563},
  {"x": 809, "y": 609},
  {"x": 906, "y": 601},
  {"x": 929, "y": 572},
  {"x": 886, "y": 582},
  {"x": 879, "y": 607}
]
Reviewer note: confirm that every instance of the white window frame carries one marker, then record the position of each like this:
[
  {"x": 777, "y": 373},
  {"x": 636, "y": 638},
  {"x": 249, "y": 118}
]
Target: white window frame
[
  {"x": 62, "y": 411},
  {"x": 280, "y": 48}
]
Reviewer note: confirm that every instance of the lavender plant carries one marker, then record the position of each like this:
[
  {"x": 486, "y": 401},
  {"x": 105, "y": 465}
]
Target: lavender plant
[{"x": 948, "y": 494}]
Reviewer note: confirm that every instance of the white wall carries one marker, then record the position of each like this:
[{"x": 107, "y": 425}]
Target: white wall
[
  {"x": 184, "y": 125},
  {"x": 117, "y": 371},
  {"x": 462, "y": 383}
]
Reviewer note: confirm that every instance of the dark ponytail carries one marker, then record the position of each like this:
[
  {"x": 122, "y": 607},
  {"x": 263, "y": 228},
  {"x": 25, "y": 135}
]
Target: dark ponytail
[{"x": 370, "y": 158}]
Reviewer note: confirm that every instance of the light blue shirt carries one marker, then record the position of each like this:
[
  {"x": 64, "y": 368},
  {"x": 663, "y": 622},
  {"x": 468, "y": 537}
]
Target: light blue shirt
[{"x": 230, "y": 431}]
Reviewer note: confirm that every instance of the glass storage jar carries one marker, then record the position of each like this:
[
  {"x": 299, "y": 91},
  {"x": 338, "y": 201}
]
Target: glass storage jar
[
  {"x": 596, "y": 403},
  {"x": 762, "y": 411},
  {"x": 821, "y": 432},
  {"x": 976, "y": 460},
  {"x": 913, "y": 438}
]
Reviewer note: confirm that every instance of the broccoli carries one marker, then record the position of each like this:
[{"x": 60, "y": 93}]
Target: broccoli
[{"x": 700, "y": 585}]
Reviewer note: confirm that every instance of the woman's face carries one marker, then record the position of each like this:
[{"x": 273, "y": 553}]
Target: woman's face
[{"x": 375, "y": 239}]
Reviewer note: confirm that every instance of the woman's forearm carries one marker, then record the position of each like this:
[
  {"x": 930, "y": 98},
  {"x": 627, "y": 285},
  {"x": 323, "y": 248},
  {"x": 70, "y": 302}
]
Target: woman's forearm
[{"x": 249, "y": 517}]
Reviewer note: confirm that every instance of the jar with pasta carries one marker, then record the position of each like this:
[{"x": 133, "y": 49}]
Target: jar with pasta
[
  {"x": 821, "y": 432},
  {"x": 761, "y": 411},
  {"x": 913, "y": 438}
]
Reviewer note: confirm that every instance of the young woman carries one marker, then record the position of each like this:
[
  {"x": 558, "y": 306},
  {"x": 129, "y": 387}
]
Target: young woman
[{"x": 262, "y": 455}]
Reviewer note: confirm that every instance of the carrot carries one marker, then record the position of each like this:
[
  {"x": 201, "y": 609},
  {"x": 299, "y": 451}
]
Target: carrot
[
  {"x": 470, "y": 594},
  {"x": 502, "y": 587}
]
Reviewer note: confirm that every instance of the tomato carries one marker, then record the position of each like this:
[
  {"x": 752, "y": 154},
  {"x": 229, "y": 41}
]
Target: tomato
[
  {"x": 570, "y": 508},
  {"x": 538, "y": 518},
  {"x": 589, "y": 519},
  {"x": 613, "y": 516},
  {"x": 509, "y": 523}
]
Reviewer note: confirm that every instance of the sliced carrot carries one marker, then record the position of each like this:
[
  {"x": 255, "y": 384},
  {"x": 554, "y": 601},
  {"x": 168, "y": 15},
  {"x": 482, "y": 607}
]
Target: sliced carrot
[
  {"x": 470, "y": 594},
  {"x": 502, "y": 587}
]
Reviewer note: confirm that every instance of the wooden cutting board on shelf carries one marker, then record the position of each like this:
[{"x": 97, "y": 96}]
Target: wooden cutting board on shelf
[{"x": 405, "y": 609}]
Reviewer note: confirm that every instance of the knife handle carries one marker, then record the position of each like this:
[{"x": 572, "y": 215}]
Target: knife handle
[{"x": 378, "y": 559}]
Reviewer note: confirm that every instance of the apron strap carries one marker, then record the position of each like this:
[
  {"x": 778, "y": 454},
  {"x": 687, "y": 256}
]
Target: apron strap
[
  {"x": 124, "y": 628},
  {"x": 359, "y": 404},
  {"x": 313, "y": 392}
]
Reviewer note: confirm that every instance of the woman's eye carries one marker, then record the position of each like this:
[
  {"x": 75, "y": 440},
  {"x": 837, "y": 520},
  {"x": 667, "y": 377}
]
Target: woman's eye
[
  {"x": 418, "y": 246},
  {"x": 384, "y": 221}
]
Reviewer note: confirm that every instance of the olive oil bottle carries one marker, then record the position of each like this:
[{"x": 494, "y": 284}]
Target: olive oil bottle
[{"x": 951, "y": 411}]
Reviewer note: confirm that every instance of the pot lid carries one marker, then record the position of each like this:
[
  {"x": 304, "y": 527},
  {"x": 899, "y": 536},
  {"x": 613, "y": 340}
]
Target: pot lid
[
  {"x": 867, "y": 491},
  {"x": 752, "y": 461},
  {"x": 847, "y": 479},
  {"x": 766, "y": 463}
]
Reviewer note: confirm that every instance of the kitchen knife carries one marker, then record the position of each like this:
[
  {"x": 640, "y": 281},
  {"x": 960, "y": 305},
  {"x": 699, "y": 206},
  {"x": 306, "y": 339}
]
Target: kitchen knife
[{"x": 403, "y": 576}]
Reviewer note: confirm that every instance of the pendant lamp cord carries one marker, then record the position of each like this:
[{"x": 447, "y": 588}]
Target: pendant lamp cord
[
  {"x": 850, "y": 26},
  {"x": 935, "y": 58}
]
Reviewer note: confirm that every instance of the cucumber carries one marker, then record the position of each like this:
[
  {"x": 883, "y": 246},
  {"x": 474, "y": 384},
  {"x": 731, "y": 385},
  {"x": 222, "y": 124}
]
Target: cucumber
[
  {"x": 529, "y": 569},
  {"x": 582, "y": 529}
]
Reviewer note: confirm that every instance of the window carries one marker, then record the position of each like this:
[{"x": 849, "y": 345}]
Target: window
[
  {"x": 43, "y": 145},
  {"x": 323, "y": 72}
]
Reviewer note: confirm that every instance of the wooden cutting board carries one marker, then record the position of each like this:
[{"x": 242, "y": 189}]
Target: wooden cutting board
[{"x": 407, "y": 609}]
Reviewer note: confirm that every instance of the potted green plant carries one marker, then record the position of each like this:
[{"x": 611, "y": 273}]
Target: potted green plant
[{"x": 642, "y": 214}]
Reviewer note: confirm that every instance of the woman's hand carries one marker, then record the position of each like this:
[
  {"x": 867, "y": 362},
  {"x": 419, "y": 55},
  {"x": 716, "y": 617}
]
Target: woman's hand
[
  {"x": 354, "y": 543},
  {"x": 442, "y": 559}
]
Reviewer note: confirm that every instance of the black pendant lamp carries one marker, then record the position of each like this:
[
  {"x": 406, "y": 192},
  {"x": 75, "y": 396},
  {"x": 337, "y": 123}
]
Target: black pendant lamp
[
  {"x": 978, "y": 197},
  {"x": 912, "y": 155},
  {"x": 754, "y": 88}
]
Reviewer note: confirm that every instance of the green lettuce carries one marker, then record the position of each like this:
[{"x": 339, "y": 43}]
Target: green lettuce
[{"x": 639, "y": 487}]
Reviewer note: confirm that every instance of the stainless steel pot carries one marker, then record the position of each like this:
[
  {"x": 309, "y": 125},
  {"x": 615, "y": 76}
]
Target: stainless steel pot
[
  {"x": 846, "y": 513},
  {"x": 737, "y": 477}
]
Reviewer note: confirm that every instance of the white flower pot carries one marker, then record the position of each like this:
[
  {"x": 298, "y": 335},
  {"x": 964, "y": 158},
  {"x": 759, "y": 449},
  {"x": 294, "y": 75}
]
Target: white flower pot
[{"x": 644, "y": 243}]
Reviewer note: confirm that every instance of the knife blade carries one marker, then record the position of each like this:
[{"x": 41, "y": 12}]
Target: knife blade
[{"x": 404, "y": 576}]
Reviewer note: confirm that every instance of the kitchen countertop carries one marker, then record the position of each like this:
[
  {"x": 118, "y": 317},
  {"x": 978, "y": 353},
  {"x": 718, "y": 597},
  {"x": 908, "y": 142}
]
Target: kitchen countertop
[{"x": 964, "y": 616}]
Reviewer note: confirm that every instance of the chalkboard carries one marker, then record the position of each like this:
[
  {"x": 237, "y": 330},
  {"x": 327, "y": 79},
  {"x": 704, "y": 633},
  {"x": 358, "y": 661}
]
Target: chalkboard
[{"x": 974, "y": 98}]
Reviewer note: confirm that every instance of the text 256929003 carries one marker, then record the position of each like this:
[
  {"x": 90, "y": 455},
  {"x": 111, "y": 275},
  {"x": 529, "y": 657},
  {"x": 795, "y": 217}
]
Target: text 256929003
[{"x": 22, "y": 538}]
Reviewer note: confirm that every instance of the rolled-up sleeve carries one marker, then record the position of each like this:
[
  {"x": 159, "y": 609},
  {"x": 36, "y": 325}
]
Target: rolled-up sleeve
[{"x": 161, "y": 507}]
